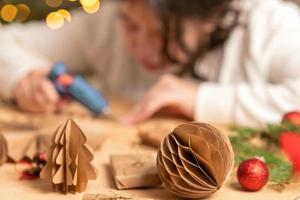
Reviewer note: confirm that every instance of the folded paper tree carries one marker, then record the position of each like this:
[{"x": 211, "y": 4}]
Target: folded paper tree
[
  {"x": 134, "y": 171},
  {"x": 69, "y": 160},
  {"x": 3, "y": 149},
  {"x": 195, "y": 160}
]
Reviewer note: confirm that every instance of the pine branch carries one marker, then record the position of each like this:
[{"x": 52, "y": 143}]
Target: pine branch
[
  {"x": 273, "y": 131},
  {"x": 280, "y": 169}
]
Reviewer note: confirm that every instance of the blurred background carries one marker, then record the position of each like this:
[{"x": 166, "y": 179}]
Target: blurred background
[{"x": 54, "y": 12}]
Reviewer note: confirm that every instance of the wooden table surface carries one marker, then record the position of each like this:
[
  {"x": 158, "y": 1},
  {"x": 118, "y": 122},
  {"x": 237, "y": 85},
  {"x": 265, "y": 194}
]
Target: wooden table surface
[{"x": 114, "y": 139}]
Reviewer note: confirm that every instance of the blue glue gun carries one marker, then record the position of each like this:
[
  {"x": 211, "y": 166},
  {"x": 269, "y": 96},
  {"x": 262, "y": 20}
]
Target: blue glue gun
[{"x": 79, "y": 89}]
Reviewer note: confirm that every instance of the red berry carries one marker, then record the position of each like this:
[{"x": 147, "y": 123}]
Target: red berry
[
  {"x": 253, "y": 174},
  {"x": 42, "y": 156},
  {"x": 292, "y": 117}
]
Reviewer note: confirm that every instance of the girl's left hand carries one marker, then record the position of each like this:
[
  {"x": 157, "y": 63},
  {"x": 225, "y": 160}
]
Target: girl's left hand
[{"x": 170, "y": 92}]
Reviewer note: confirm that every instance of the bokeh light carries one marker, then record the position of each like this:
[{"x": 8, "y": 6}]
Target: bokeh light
[
  {"x": 54, "y": 3},
  {"x": 55, "y": 20},
  {"x": 66, "y": 14},
  {"x": 88, "y": 3},
  {"x": 90, "y": 6},
  {"x": 23, "y": 12},
  {"x": 9, "y": 12}
]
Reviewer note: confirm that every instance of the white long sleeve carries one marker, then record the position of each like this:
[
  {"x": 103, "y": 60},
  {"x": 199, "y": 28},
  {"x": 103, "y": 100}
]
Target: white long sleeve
[{"x": 260, "y": 76}]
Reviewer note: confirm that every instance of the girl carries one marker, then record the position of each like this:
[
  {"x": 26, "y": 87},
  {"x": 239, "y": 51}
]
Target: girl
[{"x": 211, "y": 60}]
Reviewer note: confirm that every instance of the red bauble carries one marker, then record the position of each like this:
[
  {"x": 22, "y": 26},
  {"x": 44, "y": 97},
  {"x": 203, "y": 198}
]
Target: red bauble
[
  {"x": 292, "y": 117},
  {"x": 290, "y": 144},
  {"x": 253, "y": 174}
]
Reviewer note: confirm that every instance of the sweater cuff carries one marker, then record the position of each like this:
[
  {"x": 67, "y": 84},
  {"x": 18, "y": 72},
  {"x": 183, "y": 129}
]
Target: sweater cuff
[
  {"x": 15, "y": 74},
  {"x": 215, "y": 103}
]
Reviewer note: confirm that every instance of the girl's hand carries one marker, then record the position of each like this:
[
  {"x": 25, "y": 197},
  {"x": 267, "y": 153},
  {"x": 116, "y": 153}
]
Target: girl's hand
[
  {"x": 170, "y": 92},
  {"x": 35, "y": 93}
]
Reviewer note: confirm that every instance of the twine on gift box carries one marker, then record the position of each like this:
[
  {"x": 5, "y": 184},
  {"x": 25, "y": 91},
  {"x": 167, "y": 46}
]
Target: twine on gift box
[{"x": 140, "y": 162}]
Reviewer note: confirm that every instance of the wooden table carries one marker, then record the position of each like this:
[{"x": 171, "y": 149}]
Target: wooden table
[{"x": 113, "y": 135}]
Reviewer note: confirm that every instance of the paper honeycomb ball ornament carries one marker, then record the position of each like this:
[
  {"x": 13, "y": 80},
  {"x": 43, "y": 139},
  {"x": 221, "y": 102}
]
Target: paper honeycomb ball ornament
[
  {"x": 69, "y": 160},
  {"x": 3, "y": 149},
  {"x": 195, "y": 160}
]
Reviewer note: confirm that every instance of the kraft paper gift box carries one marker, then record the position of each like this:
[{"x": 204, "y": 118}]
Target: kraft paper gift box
[{"x": 134, "y": 171}]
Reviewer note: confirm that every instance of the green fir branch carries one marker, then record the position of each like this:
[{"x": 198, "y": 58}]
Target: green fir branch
[{"x": 280, "y": 169}]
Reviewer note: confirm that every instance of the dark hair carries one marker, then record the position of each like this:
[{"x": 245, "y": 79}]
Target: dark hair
[{"x": 173, "y": 12}]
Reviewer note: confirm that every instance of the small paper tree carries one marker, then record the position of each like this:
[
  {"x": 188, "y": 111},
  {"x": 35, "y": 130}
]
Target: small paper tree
[{"x": 69, "y": 160}]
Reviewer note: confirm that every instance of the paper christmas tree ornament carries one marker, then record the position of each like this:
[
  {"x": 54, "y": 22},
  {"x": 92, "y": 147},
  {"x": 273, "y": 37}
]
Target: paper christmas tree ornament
[
  {"x": 195, "y": 160},
  {"x": 69, "y": 160},
  {"x": 3, "y": 149}
]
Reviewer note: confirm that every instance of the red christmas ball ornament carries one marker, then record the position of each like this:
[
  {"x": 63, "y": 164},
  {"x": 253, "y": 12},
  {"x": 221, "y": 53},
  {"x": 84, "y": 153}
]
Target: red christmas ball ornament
[
  {"x": 290, "y": 144},
  {"x": 253, "y": 174},
  {"x": 292, "y": 117}
]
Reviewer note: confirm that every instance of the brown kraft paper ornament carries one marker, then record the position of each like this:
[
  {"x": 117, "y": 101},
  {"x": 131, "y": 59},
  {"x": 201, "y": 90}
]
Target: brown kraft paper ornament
[
  {"x": 69, "y": 160},
  {"x": 134, "y": 171},
  {"x": 195, "y": 160}
]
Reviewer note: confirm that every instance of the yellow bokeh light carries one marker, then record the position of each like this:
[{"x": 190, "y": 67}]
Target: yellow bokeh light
[
  {"x": 91, "y": 8},
  {"x": 23, "y": 12},
  {"x": 54, "y": 3},
  {"x": 66, "y": 14},
  {"x": 88, "y": 3},
  {"x": 9, "y": 12},
  {"x": 55, "y": 20}
]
